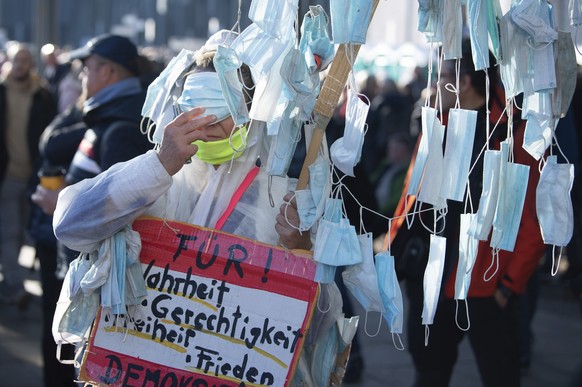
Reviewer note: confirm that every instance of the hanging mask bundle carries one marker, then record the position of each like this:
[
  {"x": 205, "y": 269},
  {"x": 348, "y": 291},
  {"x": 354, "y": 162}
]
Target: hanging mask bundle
[
  {"x": 336, "y": 241},
  {"x": 346, "y": 151},
  {"x": 554, "y": 204},
  {"x": 350, "y": 20},
  {"x": 467, "y": 256},
  {"x": 457, "y": 158},
  {"x": 315, "y": 41},
  {"x": 391, "y": 294},
  {"x": 227, "y": 67}
]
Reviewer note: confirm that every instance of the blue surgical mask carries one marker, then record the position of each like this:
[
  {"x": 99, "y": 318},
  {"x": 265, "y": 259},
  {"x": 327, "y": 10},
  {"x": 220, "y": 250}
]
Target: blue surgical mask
[
  {"x": 315, "y": 39},
  {"x": 430, "y": 19},
  {"x": 452, "y": 29},
  {"x": 337, "y": 243},
  {"x": 282, "y": 148},
  {"x": 483, "y": 221},
  {"x": 346, "y": 151},
  {"x": 311, "y": 202},
  {"x": 350, "y": 20},
  {"x": 513, "y": 186},
  {"x": 428, "y": 117},
  {"x": 227, "y": 64},
  {"x": 554, "y": 204},
  {"x": 324, "y": 274},
  {"x": 494, "y": 13},
  {"x": 274, "y": 17},
  {"x": 202, "y": 89},
  {"x": 513, "y": 64},
  {"x": 459, "y": 148},
  {"x": 478, "y": 33},
  {"x": 390, "y": 291}
]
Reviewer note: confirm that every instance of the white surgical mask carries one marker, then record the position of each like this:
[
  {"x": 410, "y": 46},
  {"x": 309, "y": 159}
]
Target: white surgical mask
[
  {"x": 452, "y": 29},
  {"x": 274, "y": 17},
  {"x": 202, "y": 89},
  {"x": 434, "y": 170},
  {"x": 227, "y": 64},
  {"x": 478, "y": 33},
  {"x": 483, "y": 221},
  {"x": 433, "y": 275},
  {"x": 428, "y": 118},
  {"x": 467, "y": 255},
  {"x": 459, "y": 148}
]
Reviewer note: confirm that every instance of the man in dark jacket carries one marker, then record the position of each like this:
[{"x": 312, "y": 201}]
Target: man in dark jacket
[
  {"x": 112, "y": 110},
  {"x": 26, "y": 108}
]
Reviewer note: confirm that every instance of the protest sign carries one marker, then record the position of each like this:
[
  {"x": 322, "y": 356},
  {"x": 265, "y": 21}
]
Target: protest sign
[{"x": 221, "y": 310}]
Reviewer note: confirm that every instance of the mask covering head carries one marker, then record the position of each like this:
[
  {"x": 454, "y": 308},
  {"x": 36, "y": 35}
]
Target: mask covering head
[
  {"x": 554, "y": 204},
  {"x": 349, "y": 20},
  {"x": 202, "y": 89},
  {"x": 346, "y": 151},
  {"x": 457, "y": 158},
  {"x": 227, "y": 64},
  {"x": 221, "y": 151},
  {"x": 390, "y": 291},
  {"x": 482, "y": 222}
]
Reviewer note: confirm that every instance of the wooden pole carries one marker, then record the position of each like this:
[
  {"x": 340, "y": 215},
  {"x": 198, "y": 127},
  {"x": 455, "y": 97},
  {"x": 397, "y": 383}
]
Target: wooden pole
[{"x": 327, "y": 101}]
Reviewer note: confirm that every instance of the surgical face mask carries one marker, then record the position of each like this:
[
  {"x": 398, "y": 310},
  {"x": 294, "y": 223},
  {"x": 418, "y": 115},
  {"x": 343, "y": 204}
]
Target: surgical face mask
[
  {"x": 554, "y": 204},
  {"x": 315, "y": 39},
  {"x": 537, "y": 111},
  {"x": 494, "y": 13},
  {"x": 282, "y": 148},
  {"x": 346, "y": 151},
  {"x": 428, "y": 118},
  {"x": 566, "y": 68},
  {"x": 258, "y": 49},
  {"x": 276, "y": 18},
  {"x": 452, "y": 29},
  {"x": 349, "y": 20},
  {"x": 478, "y": 33},
  {"x": 324, "y": 274},
  {"x": 203, "y": 90},
  {"x": 390, "y": 291},
  {"x": 362, "y": 279},
  {"x": 467, "y": 255},
  {"x": 220, "y": 151},
  {"x": 514, "y": 54},
  {"x": 459, "y": 148},
  {"x": 434, "y": 170},
  {"x": 311, "y": 202},
  {"x": 160, "y": 94},
  {"x": 337, "y": 243},
  {"x": 227, "y": 64},
  {"x": 482, "y": 222},
  {"x": 433, "y": 275},
  {"x": 513, "y": 186}
]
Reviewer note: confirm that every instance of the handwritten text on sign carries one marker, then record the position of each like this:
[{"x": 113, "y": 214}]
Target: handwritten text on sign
[{"x": 221, "y": 311}]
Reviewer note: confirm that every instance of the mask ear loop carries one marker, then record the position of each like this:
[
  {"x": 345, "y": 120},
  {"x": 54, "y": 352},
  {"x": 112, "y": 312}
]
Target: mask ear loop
[
  {"x": 429, "y": 77},
  {"x": 366, "y": 325},
  {"x": 319, "y": 299},
  {"x": 457, "y": 315},
  {"x": 556, "y": 267},
  {"x": 426, "y": 334},
  {"x": 401, "y": 347},
  {"x": 494, "y": 263}
]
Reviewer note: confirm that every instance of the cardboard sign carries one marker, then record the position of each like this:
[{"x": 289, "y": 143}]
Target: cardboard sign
[{"x": 221, "y": 310}]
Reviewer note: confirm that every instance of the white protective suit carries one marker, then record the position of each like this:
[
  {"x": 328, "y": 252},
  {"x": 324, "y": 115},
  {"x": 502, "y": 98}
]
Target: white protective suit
[{"x": 95, "y": 209}]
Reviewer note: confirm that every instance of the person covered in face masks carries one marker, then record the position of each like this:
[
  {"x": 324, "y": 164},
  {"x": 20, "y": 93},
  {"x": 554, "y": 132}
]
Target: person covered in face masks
[{"x": 489, "y": 315}]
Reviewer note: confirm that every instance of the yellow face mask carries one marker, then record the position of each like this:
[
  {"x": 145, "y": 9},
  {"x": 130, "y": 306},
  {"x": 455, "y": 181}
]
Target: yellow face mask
[{"x": 221, "y": 151}]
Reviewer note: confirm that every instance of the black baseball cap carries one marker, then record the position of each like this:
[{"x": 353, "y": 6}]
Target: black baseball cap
[{"x": 118, "y": 49}]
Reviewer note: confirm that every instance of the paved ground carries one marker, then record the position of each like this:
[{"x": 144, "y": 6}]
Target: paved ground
[{"x": 557, "y": 352}]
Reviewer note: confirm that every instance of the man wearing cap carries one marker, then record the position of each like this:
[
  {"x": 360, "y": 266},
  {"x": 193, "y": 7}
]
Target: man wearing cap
[{"x": 112, "y": 110}]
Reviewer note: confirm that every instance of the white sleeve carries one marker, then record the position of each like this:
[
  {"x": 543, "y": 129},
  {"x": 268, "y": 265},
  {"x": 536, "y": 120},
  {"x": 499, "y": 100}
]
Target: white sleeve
[{"x": 94, "y": 209}]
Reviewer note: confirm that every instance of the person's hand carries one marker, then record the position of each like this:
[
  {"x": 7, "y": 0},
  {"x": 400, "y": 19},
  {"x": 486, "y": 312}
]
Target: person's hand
[
  {"x": 45, "y": 198},
  {"x": 500, "y": 298},
  {"x": 288, "y": 224},
  {"x": 177, "y": 147}
]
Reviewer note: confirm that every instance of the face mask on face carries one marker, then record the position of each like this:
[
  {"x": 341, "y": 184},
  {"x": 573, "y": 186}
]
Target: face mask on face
[
  {"x": 315, "y": 39},
  {"x": 274, "y": 17},
  {"x": 203, "y": 90},
  {"x": 221, "y": 151},
  {"x": 349, "y": 20},
  {"x": 227, "y": 64},
  {"x": 362, "y": 280},
  {"x": 554, "y": 204},
  {"x": 433, "y": 275},
  {"x": 457, "y": 158},
  {"x": 452, "y": 29},
  {"x": 482, "y": 222},
  {"x": 478, "y": 33},
  {"x": 346, "y": 151},
  {"x": 390, "y": 291}
]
